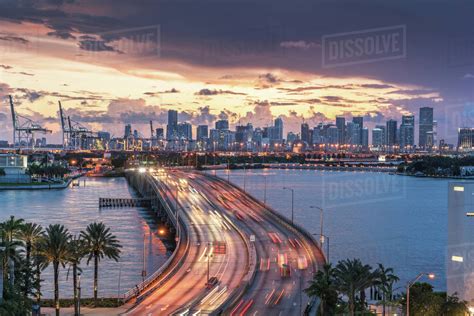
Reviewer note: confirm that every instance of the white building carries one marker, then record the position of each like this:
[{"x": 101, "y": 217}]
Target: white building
[
  {"x": 15, "y": 168},
  {"x": 460, "y": 254}
]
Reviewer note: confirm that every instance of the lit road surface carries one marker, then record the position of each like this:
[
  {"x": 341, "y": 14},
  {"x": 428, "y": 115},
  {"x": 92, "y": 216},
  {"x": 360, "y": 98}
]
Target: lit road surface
[
  {"x": 185, "y": 293},
  {"x": 269, "y": 293}
]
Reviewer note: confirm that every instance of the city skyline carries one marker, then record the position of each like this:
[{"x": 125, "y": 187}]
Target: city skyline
[{"x": 51, "y": 49}]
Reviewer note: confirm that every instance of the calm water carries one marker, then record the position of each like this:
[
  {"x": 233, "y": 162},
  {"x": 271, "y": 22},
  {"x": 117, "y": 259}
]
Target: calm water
[
  {"x": 76, "y": 207},
  {"x": 395, "y": 220}
]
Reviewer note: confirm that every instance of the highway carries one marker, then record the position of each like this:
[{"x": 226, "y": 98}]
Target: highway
[
  {"x": 217, "y": 213},
  {"x": 186, "y": 289},
  {"x": 270, "y": 293}
]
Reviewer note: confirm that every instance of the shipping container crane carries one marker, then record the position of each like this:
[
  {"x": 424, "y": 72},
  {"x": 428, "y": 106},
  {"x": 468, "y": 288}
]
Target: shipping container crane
[{"x": 24, "y": 129}]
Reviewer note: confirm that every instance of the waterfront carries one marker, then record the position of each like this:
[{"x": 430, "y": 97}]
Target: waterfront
[
  {"x": 76, "y": 207},
  {"x": 395, "y": 220}
]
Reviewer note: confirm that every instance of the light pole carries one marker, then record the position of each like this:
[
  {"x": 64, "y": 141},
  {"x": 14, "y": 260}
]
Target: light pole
[
  {"x": 79, "y": 293},
  {"x": 265, "y": 189},
  {"x": 321, "y": 217},
  {"x": 245, "y": 178},
  {"x": 292, "y": 202},
  {"x": 144, "y": 258},
  {"x": 209, "y": 255},
  {"x": 431, "y": 276},
  {"x": 321, "y": 241}
]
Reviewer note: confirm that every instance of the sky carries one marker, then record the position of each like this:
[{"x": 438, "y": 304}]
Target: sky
[{"x": 116, "y": 62}]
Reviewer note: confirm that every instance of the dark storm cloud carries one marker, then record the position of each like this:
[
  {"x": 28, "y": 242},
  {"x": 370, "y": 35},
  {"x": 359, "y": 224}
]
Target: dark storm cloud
[
  {"x": 16, "y": 39},
  {"x": 208, "y": 92}
]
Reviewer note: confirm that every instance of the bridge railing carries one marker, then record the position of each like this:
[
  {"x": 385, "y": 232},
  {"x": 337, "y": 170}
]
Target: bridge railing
[
  {"x": 144, "y": 288},
  {"x": 293, "y": 227}
]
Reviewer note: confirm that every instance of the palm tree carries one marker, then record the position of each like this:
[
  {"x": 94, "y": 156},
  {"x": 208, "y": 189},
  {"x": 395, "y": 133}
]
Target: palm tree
[
  {"x": 55, "y": 249},
  {"x": 100, "y": 243},
  {"x": 11, "y": 227},
  {"x": 77, "y": 251},
  {"x": 385, "y": 284},
  {"x": 323, "y": 286},
  {"x": 30, "y": 234},
  {"x": 351, "y": 277},
  {"x": 40, "y": 262}
]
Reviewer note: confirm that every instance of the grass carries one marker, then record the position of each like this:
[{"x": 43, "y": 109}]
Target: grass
[
  {"x": 85, "y": 302},
  {"x": 6, "y": 184}
]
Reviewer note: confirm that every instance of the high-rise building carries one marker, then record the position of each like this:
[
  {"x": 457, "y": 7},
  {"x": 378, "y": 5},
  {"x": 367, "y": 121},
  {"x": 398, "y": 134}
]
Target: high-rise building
[
  {"x": 291, "y": 137},
  {"x": 359, "y": 120},
  {"x": 172, "y": 127},
  {"x": 425, "y": 125},
  {"x": 365, "y": 138},
  {"x": 460, "y": 244},
  {"x": 202, "y": 132},
  {"x": 222, "y": 125},
  {"x": 466, "y": 139},
  {"x": 407, "y": 132},
  {"x": 103, "y": 135},
  {"x": 305, "y": 133},
  {"x": 332, "y": 134},
  {"x": 185, "y": 131},
  {"x": 341, "y": 129},
  {"x": 279, "y": 128},
  {"x": 377, "y": 137},
  {"x": 128, "y": 131},
  {"x": 159, "y": 133},
  {"x": 353, "y": 133},
  {"x": 383, "y": 128},
  {"x": 391, "y": 133}
]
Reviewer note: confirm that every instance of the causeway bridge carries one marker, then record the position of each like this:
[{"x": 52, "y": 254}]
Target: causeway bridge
[{"x": 234, "y": 255}]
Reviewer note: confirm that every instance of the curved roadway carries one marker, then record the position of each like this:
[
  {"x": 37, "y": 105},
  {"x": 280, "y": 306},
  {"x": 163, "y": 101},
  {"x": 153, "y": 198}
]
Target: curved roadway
[{"x": 212, "y": 210}]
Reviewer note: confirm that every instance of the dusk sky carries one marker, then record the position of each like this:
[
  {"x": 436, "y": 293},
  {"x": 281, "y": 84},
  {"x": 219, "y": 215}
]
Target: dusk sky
[{"x": 115, "y": 62}]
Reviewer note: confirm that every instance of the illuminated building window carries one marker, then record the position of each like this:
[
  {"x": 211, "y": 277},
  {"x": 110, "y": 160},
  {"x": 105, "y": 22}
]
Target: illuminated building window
[{"x": 459, "y": 189}]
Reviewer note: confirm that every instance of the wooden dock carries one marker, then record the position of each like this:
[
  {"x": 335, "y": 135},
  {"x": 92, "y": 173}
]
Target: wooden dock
[{"x": 120, "y": 202}]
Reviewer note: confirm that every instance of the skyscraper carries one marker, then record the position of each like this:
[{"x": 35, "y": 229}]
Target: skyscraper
[
  {"x": 305, "y": 133},
  {"x": 359, "y": 120},
  {"x": 202, "y": 132},
  {"x": 365, "y": 138},
  {"x": 391, "y": 133},
  {"x": 128, "y": 131},
  {"x": 185, "y": 131},
  {"x": 222, "y": 125},
  {"x": 466, "y": 139},
  {"x": 407, "y": 131},
  {"x": 279, "y": 128},
  {"x": 341, "y": 129},
  {"x": 377, "y": 137},
  {"x": 172, "y": 127},
  {"x": 425, "y": 125}
]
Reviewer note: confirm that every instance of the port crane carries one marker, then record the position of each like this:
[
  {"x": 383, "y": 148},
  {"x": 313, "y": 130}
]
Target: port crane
[
  {"x": 24, "y": 129},
  {"x": 75, "y": 135}
]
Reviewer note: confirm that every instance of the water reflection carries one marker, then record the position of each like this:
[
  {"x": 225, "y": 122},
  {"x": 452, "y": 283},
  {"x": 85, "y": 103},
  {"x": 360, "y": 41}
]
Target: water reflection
[{"x": 76, "y": 207}]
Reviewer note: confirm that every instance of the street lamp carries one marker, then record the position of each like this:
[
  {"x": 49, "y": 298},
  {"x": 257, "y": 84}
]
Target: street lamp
[
  {"x": 321, "y": 241},
  {"x": 79, "y": 293},
  {"x": 431, "y": 276},
  {"x": 209, "y": 255},
  {"x": 265, "y": 189},
  {"x": 292, "y": 202},
  {"x": 321, "y": 217}
]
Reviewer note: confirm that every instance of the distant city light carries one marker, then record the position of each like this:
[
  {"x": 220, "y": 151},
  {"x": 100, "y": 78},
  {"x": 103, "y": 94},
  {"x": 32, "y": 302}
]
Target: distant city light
[{"x": 457, "y": 258}]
